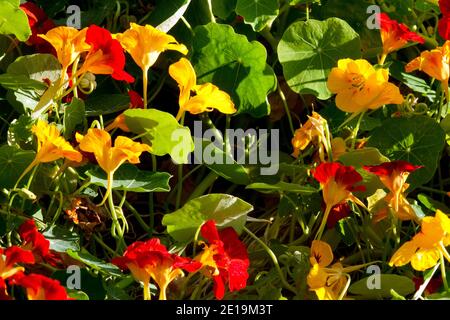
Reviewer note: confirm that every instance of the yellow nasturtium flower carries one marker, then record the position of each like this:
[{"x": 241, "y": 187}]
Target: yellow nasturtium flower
[
  {"x": 435, "y": 63},
  {"x": 145, "y": 44},
  {"x": 359, "y": 86},
  {"x": 50, "y": 146},
  {"x": 68, "y": 43},
  {"x": 109, "y": 157},
  {"x": 207, "y": 96},
  {"x": 312, "y": 131},
  {"x": 328, "y": 281},
  {"x": 427, "y": 247}
]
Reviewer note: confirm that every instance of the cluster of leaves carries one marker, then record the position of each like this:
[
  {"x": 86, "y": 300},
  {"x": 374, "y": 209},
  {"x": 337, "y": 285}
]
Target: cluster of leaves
[{"x": 273, "y": 58}]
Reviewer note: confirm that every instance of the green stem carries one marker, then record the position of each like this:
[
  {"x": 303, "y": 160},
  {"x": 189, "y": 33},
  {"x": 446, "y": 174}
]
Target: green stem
[
  {"x": 135, "y": 214},
  {"x": 443, "y": 273},
  {"x": 355, "y": 131},
  {"x": 274, "y": 260},
  {"x": 144, "y": 86},
  {"x": 116, "y": 229},
  {"x": 286, "y": 108},
  {"x": 210, "y": 9},
  {"x": 104, "y": 245},
  {"x": 180, "y": 177},
  {"x": 433, "y": 190},
  {"x": 323, "y": 223}
]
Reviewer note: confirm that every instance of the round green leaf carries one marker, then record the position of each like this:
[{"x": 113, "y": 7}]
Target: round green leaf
[
  {"x": 13, "y": 20},
  {"x": 226, "y": 210},
  {"x": 402, "y": 285},
  {"x": 308, "y": 50},
  {"x": 235, "y": 65},
  {"x": 257, "y": 13},
  {"x": 162, "y": 132},
  {"x": 419, "y": 140}
]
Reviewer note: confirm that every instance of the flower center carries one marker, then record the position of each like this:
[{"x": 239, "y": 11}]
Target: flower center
[{"x": 357, "y": 80}]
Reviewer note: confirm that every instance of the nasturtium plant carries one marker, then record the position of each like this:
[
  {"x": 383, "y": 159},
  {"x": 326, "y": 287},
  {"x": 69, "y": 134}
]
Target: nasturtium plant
[
  {"x": 224, "y": 149},
  {"x": 239, "y": 67},
  {"x": 309, "y": 49}
]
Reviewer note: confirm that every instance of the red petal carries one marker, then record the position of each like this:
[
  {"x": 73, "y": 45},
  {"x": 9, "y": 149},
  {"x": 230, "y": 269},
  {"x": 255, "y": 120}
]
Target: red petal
[
  {"x": 186, "y": 264},
  {"x": 16, "y": 254},
  {"x": 238, "y": 274},
  {"x": 399, "y": 30},
  {"x": 135, "y": 99},
  {"x": 338, "y": 212},
  {"x": 444, "y": 5},
  {"x": 34, "y": 282},
  {"x": 219, "y": 287},
  {"x": 348, "y": 176},
  {"x": 387, "y": 168},
  {"x": 209, "y": 231},
  {"x": 444, "y": 27},
  {"x": 325, "y": 171},
  {"x": 234, "y": 248}
]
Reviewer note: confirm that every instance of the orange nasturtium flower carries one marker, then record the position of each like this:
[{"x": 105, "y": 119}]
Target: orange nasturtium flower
[
  {"x": 68, "y": 43},
  {"x": 145, "y": 44},
  {"x": 337, "y": 182},
  {"x": 313, "y": 131},
  {"x": 151, "y": 260},
  {"x": 328, "y": 282},
  {"x": 427, "y": 247},
  {"x": 395, "y": 35},
  {"x": 394, "y": 175},
  {"x": 50, "y": 147},
  {"x": 359, "y": 86},
  {"x": 435, "y": 63},
  {"x": 109, "y": 157},
  {"x": 207, "y": 96}
]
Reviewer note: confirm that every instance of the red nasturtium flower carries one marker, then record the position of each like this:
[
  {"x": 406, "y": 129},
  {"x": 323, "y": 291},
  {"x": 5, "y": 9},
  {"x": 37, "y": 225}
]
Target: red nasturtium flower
[
  {"x": 337, "y": 182},
  {"x": 395, "y": 35},
  {"x": 393, "y": 175},
  {"x": 151, "y": 260},
  {"x": 9, "y": 258},
  {"x": 39, "y": 287},
  {"x": 105, "y": 56},
  {"x": 444, "y": 22},
  {"x": 338, "y": 212},
  {"x": 39, "y": 23},
  {"x": 136, "y": 100},
  {"x": 224, "y": 258},
  {"x": 35, "y": 242}
]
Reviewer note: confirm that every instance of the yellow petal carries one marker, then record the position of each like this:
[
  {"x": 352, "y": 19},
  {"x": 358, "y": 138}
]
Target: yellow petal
[
  {"x": 322, "y": 252},
  {"x": 184, "y": 74},
  {"x": 68, "y": 43},
  {"x": 145, "y": 43},
  {"x": 425, "y": 259},
  {"x": 210, "y": 97},
  {"x": 317, "y": 277},
  {"x": 404, "y": 254}
]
